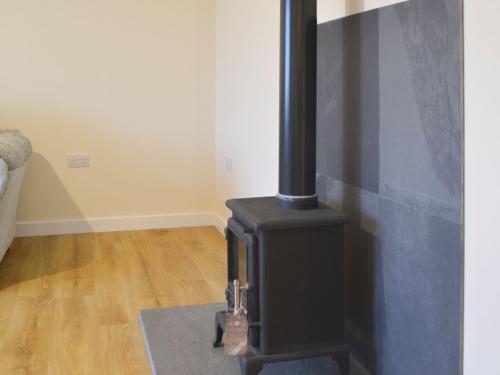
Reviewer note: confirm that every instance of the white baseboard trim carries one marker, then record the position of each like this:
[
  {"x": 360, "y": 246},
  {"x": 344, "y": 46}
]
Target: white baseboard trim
[
  {"x": 118, "y": 224},
  {"x": 220, "y": 223}
]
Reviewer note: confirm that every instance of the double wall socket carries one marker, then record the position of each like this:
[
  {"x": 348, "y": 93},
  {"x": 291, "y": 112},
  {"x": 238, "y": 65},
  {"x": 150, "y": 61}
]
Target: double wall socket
[{"x": 78, "y": 160}]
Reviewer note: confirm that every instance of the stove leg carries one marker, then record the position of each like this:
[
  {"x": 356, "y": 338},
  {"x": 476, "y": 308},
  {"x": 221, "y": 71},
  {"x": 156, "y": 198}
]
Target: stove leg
[
  {"x": 249, "y": 367},
  {"x": 217, "y": 341},
  {"x": 343, "y": 363}
]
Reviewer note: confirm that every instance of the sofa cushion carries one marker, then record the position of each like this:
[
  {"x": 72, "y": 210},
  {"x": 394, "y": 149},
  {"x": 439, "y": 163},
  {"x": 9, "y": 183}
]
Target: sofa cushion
[
  {"x": 15, "y": 149},
  {"x": 4, "y": 176}
]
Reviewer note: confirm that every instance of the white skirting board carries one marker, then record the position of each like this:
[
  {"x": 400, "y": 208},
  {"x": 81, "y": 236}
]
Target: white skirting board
[{"x": 119, "y": 224}]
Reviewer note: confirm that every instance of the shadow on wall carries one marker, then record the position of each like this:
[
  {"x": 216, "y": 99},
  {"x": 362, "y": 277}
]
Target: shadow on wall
[
  {"x": 50, "y": 192},
  {"x": 44, "y": 196}
]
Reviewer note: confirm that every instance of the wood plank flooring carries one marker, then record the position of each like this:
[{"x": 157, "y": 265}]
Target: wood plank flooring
[{"x": 69, "y": 304}]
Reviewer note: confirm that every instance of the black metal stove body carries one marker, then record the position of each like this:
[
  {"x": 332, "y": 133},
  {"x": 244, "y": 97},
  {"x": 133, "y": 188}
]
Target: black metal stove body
[
  {"x": 293, "y": 263},
  {"x": 287, "y": 250}
]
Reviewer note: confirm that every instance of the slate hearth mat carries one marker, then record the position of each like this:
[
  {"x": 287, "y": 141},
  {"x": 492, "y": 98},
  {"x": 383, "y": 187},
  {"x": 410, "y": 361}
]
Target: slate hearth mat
[{"x": 178, "y": 342}]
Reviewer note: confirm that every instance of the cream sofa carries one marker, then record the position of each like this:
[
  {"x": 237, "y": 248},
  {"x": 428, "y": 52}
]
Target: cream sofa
[{"x": 15, "y": 155}]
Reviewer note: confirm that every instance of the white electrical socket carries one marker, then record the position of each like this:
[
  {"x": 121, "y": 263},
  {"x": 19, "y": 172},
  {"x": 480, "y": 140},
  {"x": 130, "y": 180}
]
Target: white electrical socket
[
  {"x": 228, "y": 163},
  {"x": 78, "y": 160}
]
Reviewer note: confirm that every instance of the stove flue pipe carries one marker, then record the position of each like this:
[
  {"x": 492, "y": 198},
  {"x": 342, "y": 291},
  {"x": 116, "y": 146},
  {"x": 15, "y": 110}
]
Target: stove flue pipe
[{"x": 297, "y": 174}]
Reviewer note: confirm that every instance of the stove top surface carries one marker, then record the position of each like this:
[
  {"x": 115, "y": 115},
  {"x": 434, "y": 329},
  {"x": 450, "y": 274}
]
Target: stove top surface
[{"x": 264, "y": 214}]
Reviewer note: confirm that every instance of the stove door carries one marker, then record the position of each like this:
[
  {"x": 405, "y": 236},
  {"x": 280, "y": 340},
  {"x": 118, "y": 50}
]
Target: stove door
[
  {"x": 242, "y": 266},
  {"x": 238, "y": 265}
]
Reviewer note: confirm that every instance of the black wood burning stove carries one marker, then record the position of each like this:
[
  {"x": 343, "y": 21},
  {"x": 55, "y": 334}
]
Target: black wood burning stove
[
  {"x": 290, "y": 263},
  {"x": 286, "y": 252}
]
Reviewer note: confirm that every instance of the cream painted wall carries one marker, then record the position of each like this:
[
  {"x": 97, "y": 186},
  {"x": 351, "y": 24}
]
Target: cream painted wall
[
  {"x": 482, "y": 179},
  {"x": 332, "y": 9},
  {"x": 247, "y": 73},
  {"x": 131, "y": 83},
  {"x": 247, "y": 92}
]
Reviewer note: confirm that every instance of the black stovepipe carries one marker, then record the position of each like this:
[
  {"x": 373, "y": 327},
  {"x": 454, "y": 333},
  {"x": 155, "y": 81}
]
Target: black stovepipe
[{"x": 297, "y": 172}]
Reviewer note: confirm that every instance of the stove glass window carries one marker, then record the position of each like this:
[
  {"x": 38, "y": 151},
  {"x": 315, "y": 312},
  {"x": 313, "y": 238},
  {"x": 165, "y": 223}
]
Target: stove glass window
[{"x": 242, "y": 262}]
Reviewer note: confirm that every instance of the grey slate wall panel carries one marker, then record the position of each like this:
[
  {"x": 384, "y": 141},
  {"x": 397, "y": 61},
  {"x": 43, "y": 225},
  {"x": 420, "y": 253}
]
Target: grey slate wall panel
[
  {"x": 390, "y": 138},
  {"x": 420, "y": 263},
  {"x": 348, "y": 93}
]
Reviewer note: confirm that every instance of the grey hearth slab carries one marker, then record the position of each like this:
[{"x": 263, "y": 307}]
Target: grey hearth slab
[{"x": 178, "y": 342}]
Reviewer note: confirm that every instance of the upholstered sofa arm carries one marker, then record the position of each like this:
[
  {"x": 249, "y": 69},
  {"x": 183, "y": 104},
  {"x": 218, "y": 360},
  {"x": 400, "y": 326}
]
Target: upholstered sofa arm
[
  {"x": 15, "y": 154},
  {"x": 15, "y": 148},
  {"x": 4, "y": 177}
]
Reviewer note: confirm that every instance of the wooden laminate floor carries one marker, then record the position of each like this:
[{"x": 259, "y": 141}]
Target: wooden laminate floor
[{"x": 69, "y": 304}]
